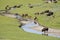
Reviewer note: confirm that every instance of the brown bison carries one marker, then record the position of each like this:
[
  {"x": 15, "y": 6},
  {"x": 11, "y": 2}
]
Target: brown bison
[
  {"x": 45, "y": 29},
  {"x": 6, "y": 7},
  {"x": 24, "y": 15},
  {"x": 14, "y": 6},
  {"x": 35, "y": 18},
  {"x": 55, "y": 1},
  {"x": 30, "y": 5},
  {"x": 37, "y": 13},
  {"x": 47, "y": 11},
  {"x": 20, "y": 25}
]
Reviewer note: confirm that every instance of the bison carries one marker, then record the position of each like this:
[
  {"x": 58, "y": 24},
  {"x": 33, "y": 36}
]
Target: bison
[
  {"x": 50, "y": 13},
  {"x": 20, "y": 25},
  {"x": 37, "y": 13},
  {"x": 44, "y": 29},
  {"x": 47, "y": 11},
  {"x": 35, "y": 18},
  {"x": 30, "y": 6}
]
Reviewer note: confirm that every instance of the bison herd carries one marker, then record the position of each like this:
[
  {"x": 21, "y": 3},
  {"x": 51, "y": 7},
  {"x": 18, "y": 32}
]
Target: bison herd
[
  {"x": 54, "y": 1},
  {"x": 47, "y": 12}
]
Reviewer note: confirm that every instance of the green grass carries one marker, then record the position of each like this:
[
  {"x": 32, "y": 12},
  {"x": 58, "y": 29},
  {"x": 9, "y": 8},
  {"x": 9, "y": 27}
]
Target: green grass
[
  {"x": 9, "y": 29},
  {"x": 52, "y": 22}
]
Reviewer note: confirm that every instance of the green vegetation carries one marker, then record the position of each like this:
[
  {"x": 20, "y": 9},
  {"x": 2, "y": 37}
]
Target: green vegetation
[{"x": 9, "y": 29}]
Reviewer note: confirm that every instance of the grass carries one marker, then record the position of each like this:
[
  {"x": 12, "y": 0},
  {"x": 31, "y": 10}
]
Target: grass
[
  {"x": 9, "y": 29},
  {"x": 52, "y": 22}
]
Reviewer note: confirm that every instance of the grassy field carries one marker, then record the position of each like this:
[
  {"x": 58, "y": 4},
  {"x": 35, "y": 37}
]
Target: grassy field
[{"x": 9, "y": 29}]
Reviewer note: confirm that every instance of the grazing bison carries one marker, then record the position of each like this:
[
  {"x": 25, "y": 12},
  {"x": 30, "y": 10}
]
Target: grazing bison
[
  {"x": 50, "y": 13},
  {"x": 18, "y": 6},
  {"x": 14, "y": 6},
  {"x": 55, "y": 1},
  {"x": 37, "y": 13},
  {"x": 23, "y": 15},
  {"x": 20, "y": 25},
  {"x": 16, "y": 14},
  {"x": 47, "y": 11},
  {"x": 6, "y": 7},
  {"x": 44, "y": 29},
  {"x": 49, "y": 1},
  {"x": 26, "y": 15},
  {"x": 30, "y": 6},
  {"x": 35, "y": 22},
  {"x": 35, "y": 18}
]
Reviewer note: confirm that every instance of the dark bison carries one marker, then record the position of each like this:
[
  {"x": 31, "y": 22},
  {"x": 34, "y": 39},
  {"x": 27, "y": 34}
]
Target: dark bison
[
  {"x": 35, "y": 18},
  {"x": 55, "y": 1},
  {"x": 24, "y": 15},
  {"x": 44, "y": 29},
  {"x": 30, "y": 5},
  {"x": 18, "y": 6},
  {"x": 35, "y": 22},
  {"x": 50, "y": 13},
  {"x": 6, "y": 7},
  {"x": 20, "y": 25},
  {"x": 47, "y": 11},
  {"x": 14, "y": 6},
  {"x": 37, "y": 13},
  {"x": 16, "y": 14},
  {"x": 51, "y": 0}
]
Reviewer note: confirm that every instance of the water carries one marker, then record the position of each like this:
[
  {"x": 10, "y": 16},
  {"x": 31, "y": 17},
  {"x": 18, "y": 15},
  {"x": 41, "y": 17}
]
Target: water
[{"x": 28, "y": 26}]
